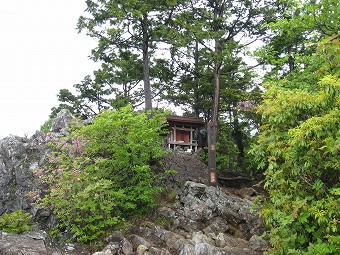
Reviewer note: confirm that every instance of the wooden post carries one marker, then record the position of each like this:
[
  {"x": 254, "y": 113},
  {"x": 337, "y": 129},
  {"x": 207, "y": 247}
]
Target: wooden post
[{"x": 212, "y": 134}]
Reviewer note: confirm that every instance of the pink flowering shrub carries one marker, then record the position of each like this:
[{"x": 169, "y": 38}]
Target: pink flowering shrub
[{"x": 100, "y": 174}]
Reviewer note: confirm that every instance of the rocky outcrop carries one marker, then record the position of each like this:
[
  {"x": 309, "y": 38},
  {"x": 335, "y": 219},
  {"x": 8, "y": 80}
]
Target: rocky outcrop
[
  {"x": 18, "y": 157},
  {"x": 204, "y": 220},
  {"x": 15, "y": 244},
  {"x": 37, "y": 243},
  {"x": 61, "y": 122},
  {"x": 186, "y": 167},
  {"x": 33, "y": 243},
  {"x": 217, "y": 210}
]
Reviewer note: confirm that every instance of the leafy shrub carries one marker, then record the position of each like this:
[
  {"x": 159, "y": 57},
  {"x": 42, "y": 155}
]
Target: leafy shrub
[
  {"x": 299, "y": 145},
  {"x": 100, "y": 174},
  {"x": 16, "y": 222}
]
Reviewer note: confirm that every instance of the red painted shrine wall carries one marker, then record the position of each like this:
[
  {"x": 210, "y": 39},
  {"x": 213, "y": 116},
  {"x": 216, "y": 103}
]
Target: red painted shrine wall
[{"x": 182, "y": 135}]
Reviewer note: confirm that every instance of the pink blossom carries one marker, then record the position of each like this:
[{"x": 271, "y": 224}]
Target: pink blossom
[
  {"x": 39, "y": 173},
  {"x": 54, "y": 159},
  {"x": 48, "y": 138},
  {"x": 78, "y": 145},
  {"x": 248, "y": 105}
]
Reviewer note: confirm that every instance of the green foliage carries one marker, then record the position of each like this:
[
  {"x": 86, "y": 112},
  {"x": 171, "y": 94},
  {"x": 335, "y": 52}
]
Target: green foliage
[
  {"x": 295, "y": 31},
  {"x": 99, "y": 175},
  {"x": 16, "y": 222},
  {"x": 127, "y": 34},
  {"x": 208, "y": 38},
  {"x": 90, "y": 98},
  {"x": 45, "y": 128},
  {"x": 136, "y": 40},
  {"x": 234, "y": 136},
  {"x": 227, "y": 151},
  {"x": 171, "y": 172},
  {"x": 299, "y": 146}
]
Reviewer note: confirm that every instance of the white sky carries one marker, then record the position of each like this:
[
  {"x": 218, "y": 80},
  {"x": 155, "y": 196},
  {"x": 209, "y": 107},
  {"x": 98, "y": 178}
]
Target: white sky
[{"x": 41, "y": 52}]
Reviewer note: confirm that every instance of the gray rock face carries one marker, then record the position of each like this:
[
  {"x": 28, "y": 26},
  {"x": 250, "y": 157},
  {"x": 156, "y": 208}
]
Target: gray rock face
[
  {"x": 213, "y": 211},
  {"x": 205, "y": 221},
  {"x": 19, "y": 156},
  {"x": 61, "y": 121},
  {"x": 204, "y": 215},
  {"x": 208, "y": 204},
  {"x": 188, "y": 168},
  {"x": 32, "y": 243}
]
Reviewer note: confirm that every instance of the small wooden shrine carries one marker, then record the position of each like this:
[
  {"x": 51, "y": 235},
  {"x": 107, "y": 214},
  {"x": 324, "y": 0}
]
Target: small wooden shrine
[{"x": 184, "y": 132}]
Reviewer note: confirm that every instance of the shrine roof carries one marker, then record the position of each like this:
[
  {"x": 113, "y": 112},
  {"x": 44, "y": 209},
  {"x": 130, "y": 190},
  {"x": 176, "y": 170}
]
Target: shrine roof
[{"x": 196, "y": 121}]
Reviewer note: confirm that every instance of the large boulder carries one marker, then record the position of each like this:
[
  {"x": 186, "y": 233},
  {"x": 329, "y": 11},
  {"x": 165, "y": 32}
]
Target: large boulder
[
  {"x": 210, "y": 209},
  {"x": 33, "y": 243},
  {"x": 61, "y": 121},
  {"x": 205, "y": 220},
  {"x": 187, "y": 167},
  {"x": 202, "y": 203},
  {"x": 19, "y": 156}
]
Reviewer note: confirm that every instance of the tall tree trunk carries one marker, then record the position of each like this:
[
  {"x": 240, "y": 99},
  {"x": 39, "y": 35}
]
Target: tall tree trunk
[
  {"x": 213, "y": 125},
  {"x": 218, "y": 7},
  {"x": 196, "y": 81},
  {"x": 146, "y": 65}
]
